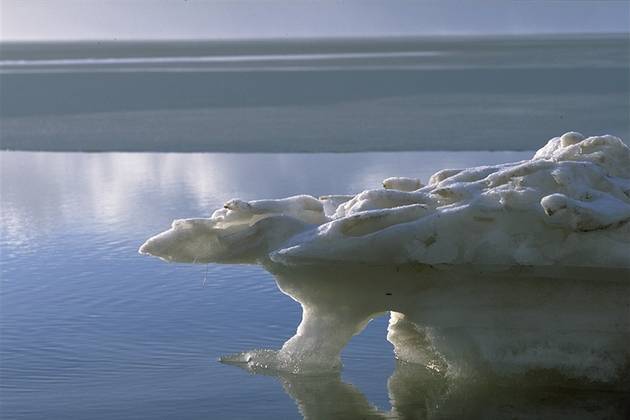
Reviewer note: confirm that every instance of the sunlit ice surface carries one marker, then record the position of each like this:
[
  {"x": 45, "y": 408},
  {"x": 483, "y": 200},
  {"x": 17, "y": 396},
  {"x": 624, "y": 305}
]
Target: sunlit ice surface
[{"x": 497, "y": 270}]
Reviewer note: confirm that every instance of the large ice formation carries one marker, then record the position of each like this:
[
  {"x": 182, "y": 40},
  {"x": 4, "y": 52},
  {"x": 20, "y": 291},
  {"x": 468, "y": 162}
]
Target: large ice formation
[{"x": 503, "y": 268}]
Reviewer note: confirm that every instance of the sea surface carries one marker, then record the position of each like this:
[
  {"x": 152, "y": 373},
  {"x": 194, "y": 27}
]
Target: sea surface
[
  {"x": 330, "y": 95},
  {"x": 91, "y": 329}
]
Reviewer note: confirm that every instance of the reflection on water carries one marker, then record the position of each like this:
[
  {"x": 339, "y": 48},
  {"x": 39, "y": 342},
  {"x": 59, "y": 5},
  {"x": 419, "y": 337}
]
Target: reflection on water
[
  {"x": 415, "y": 392},
  {"x": 91, "y": 329}
]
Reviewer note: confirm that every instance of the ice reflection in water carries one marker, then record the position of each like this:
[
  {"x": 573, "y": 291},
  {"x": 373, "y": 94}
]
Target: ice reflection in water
[{"x": 416, "y": 392}]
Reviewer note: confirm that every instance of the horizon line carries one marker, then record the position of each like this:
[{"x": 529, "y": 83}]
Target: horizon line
[{"x": 409, "y": 37}]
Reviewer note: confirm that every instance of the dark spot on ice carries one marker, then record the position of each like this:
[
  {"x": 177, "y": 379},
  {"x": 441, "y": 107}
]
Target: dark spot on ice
[
  {"x": 388, "y": 294},
  {"x": 430, "y": 240}
]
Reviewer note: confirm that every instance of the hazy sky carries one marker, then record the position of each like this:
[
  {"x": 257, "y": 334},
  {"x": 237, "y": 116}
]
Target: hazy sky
[{"x": 148, "y": 19}]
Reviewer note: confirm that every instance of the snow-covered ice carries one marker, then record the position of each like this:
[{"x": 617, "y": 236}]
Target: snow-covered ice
[{"x": 503, "y": 268}]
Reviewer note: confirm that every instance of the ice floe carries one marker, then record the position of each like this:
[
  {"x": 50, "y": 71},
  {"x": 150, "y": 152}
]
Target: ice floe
[{"x": 506, "y": 268}]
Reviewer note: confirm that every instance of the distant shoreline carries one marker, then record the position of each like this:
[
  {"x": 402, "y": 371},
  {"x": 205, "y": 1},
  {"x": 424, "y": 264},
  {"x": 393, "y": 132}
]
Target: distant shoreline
[
  {"x": 333, "y": 39},
  {"x": 15, "y": 50}
]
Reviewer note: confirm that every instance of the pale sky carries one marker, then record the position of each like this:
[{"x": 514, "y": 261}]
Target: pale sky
[{"x": 212, "y": 19}]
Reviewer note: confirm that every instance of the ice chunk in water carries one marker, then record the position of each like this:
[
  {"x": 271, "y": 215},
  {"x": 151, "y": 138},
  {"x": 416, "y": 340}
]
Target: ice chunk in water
[{"x": 507, "y": 268}]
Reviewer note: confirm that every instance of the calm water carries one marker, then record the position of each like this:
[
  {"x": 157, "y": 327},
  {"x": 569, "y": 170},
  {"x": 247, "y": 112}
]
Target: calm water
[
  {"x": 91, "y": 329},
  {"x": 509, "y": 93}
]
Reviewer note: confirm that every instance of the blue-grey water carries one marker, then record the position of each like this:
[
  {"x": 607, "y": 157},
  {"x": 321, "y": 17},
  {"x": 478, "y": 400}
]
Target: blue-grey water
[
  {"x": 462, "y": 93},
  {"x": 91, "y": 329}
]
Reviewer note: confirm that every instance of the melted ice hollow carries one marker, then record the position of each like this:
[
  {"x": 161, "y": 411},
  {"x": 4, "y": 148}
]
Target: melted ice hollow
[{"x": 508, "y": 267}]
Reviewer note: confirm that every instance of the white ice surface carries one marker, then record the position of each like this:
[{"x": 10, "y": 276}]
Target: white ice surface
[
  {"x": 504, "y": 269},
  {"x": 569, "y": 205}
]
